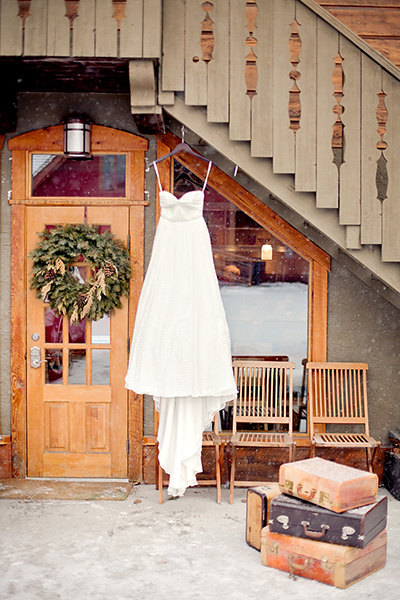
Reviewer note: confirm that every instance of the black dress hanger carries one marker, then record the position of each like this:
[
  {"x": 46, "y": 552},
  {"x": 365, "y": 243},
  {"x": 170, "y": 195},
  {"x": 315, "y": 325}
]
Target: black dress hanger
[{"x": 182, "y": 147}]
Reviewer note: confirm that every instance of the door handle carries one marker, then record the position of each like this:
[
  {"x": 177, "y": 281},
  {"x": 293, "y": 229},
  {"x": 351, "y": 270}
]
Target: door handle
[{"x": 35, "y": 357}]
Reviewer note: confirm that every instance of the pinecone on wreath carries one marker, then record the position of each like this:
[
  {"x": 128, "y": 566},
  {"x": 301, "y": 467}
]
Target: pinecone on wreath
[
  {"x": 50, "y": 275},
  {"x": 81, "y": 300},
  {"x": 109, "y": 270}
]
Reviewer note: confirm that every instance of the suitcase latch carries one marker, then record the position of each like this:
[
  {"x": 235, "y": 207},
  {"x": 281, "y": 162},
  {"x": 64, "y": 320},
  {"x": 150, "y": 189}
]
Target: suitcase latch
[
  {"x": 284, "y": 519},
  {"x": 273, "y": 549},
  {"x": 347, "y": 531}
]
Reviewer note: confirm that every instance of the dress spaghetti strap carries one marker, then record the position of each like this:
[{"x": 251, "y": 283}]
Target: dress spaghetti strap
[
  {"x": 158, "y": 176},
  {"x": 208, "y": 172}
]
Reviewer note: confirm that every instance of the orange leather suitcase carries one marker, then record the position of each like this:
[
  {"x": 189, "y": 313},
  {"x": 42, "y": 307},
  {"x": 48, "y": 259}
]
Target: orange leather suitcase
[
  {"x": 340, "y": 566},
  {"x": 257, "y": 511},
  {"x": 328, "y": 484}
]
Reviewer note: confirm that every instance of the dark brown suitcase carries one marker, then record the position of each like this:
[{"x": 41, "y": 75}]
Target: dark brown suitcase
[
  {"x": 257, "y": 511},
  {"x": 356, "y": 527}
]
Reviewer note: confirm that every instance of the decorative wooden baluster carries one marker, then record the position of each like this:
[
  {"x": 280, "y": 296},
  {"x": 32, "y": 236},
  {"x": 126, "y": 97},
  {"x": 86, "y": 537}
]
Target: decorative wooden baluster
[
  {"x": 294, "y": 75},
  {"x": 338, "y": 109},
  {"x": 71, "y": 11},
  {"x": 250, "y": 71},
  {"x": 207, "y": 33},
  {"x": 382, "y": 178},
  {"x": 119, "y": 11},
  {"x": 23, "y": 9},
  {"x": 23, "y": 12},
  {"x": 118, "y": 15}
]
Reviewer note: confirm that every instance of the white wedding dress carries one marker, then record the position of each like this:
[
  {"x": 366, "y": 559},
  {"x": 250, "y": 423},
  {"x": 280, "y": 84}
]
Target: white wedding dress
[{"x": 180, "y": 350}]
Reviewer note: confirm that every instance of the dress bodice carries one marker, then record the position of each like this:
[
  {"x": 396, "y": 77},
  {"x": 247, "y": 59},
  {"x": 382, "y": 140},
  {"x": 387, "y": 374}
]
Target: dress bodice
[{"x": 186, "y": 208}]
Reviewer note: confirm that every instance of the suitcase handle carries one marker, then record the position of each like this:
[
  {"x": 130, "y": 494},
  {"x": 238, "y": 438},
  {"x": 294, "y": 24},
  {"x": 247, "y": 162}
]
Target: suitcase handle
[
  {"x": 296, "y": 567},
  {"x": 314, "y": 534},
  {"x": 301, "y": 494}
]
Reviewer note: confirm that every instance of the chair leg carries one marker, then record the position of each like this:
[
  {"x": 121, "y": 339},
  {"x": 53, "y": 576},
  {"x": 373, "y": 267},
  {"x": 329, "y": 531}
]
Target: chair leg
[
  {"x": 160, "y": 484},
  {"x": 218, "y": 474},
  {"x": 232, "y": 481},
  {"x": 292, "y": 453},
  {"x": 159, "y": 478},
  {"x": 312, "y": 450},
  {"x": 369, "y": 460}
]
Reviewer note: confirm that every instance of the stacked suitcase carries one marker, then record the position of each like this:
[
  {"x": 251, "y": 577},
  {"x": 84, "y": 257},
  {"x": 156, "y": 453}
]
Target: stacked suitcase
[{"x": 327, "y": 524}]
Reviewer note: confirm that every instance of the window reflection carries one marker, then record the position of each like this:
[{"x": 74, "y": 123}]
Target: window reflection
[
  {"x": 53, "y": 175},
  {"x": 77, "y": 367},
  {"x": 100, "y": 367},
  {"x": 101, "y": 330},
  {"x": 53, "y": 326},
  {"x": 54, "y": 366},
  {"x": 77, "y": 332}
]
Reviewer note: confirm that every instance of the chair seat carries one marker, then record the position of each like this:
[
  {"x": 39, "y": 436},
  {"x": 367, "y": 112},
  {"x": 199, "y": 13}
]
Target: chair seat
[
  {"x": 347, "y": 440},
  {"x": 211, "y": 439},
  {"x": 262, "y": 438}
]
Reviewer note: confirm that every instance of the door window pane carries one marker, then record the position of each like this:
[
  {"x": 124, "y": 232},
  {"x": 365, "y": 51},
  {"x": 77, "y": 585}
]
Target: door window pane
[
  {"x": 101, "y": 330},
  {"x": 77, "y": 367},
  {"x": 53, "y": 326},
  {"x": 54, "y": 366},
  {"x": 100, "y": 367},
  {"x": 55, "y": 175},
  {"x": 77, "y": 332}
]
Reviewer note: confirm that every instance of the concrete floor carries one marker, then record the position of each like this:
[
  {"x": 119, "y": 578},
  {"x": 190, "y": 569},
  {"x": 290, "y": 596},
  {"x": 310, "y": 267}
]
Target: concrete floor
[{"x": 190, "y": 548}]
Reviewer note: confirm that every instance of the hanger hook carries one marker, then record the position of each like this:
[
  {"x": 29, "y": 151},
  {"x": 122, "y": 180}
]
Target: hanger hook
[{"x": 183, "y": 133}]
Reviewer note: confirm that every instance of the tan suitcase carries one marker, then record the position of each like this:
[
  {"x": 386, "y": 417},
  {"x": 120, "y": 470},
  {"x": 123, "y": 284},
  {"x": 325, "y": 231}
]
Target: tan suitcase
[
  {"x": 328, "y": 484},
  {"x": 332, "y": 564},
  {"x": 257, "y": 511}
]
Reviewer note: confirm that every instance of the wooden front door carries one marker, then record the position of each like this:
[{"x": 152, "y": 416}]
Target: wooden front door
[
  {"x": 71, "y": 413},
  {"x": 76, "y": 399}
]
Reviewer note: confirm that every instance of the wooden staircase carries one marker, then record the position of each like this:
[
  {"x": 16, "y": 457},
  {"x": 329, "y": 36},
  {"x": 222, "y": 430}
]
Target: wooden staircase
[
  {"x": 310, "y": 98},
  {"x": 281, "y": 88}
]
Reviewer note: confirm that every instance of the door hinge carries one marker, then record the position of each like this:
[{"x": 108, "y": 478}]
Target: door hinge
[
  {"x": 127, "y": 446},
  {"x": 129, "y": 241},
  {"x": 128, "y": 344}
]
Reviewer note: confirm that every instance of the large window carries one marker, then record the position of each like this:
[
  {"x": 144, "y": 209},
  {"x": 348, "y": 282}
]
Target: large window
[{"x": 264, "y": 286}]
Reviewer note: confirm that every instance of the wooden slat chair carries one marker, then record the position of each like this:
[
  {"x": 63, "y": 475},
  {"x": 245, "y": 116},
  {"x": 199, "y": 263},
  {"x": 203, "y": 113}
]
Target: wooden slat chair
[
  {"x": 265, "y": 398},
  {"x": 210, "y": 439},
  {"x": 338, "y": 396}
]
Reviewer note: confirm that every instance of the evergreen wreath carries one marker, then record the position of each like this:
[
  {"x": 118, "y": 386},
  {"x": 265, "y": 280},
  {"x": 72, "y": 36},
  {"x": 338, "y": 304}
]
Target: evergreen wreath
[{"x": 108, "y": 261}]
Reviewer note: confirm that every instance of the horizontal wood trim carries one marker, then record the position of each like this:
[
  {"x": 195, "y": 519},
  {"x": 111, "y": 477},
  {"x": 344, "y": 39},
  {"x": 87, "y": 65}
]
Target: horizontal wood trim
[
  {"x": 96, "y": 465},
  {"x": 76, "y": 393},
  {"x": 59, "y": 201},
  {"x": 250, "y": 204},
  {"x": 51, "y": 139}
]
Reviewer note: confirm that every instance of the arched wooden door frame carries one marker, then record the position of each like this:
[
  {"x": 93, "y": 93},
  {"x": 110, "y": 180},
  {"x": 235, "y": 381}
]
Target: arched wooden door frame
[
  {"x": 104, "y": 139},
  {"x": 318, "y": 259}
]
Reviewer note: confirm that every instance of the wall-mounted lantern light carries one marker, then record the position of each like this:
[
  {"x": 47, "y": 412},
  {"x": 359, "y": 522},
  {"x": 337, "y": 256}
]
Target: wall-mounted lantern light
[
  {"x": 77, "y": 138},
  {"x": 266, "y": 252}
]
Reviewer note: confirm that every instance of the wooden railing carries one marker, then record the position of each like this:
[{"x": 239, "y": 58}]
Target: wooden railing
[{"x": 304, "y": 91}]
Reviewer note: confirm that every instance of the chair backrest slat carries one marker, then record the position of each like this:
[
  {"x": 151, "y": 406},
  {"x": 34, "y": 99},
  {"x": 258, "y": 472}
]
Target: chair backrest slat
[
  {"x": 338, "y": 394},
  {"x": 265, "y": 392}
]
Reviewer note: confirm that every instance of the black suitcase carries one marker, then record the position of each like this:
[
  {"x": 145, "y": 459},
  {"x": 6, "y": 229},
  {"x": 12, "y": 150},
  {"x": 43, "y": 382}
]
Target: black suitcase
[
  {"x": 355, "y": 527},
  {"x": 391, "y": 473}
]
